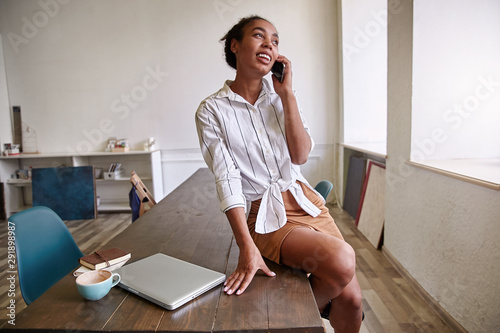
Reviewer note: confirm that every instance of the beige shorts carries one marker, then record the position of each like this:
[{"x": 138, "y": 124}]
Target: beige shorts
[{"x": 269, "y": 244}]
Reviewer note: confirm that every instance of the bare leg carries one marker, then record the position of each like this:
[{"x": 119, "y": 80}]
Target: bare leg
[{"x": 331, "y": 262}]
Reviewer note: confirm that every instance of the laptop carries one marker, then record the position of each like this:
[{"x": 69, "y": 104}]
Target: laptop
[{"x": 167, "y": 281}]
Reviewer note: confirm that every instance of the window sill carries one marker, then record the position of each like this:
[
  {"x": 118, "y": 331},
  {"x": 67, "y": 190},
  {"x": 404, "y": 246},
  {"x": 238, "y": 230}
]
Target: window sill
[
  {"x": 378, "y": 149},
  {"x": 483, "y": 172}
]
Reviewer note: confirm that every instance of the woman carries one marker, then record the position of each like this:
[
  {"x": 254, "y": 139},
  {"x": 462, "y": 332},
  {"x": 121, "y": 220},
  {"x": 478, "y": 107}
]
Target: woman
[{"x": 253, "y": 139}]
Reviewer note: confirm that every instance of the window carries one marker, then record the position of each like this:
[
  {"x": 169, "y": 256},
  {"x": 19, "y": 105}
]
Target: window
[
  {"x": 364, "y": 65},
  {"x": 456, "y": 86},
  {"x": 456, "y": 80}
]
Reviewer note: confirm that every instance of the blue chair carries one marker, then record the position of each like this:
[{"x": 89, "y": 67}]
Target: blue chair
[
  {"x": 45, "y": 250},
  {"x": 324, "y": 187}
]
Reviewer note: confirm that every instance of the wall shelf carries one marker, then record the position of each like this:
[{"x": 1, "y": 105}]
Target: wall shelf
[
  {"x": 113, "y": 193},
  {"x": 18, "y": 182}
]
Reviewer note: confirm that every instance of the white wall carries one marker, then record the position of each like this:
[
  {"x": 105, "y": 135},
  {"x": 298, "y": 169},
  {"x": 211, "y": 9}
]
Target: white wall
[
  {"x": 443, "y": 231},
  {"x": 82, "y": 70}
]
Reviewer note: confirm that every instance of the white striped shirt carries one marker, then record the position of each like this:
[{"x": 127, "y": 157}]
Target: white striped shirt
[{"x": 245, "y": 147}]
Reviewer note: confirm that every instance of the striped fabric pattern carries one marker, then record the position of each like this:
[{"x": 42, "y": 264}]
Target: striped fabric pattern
[{"x": 245, "y": 147}]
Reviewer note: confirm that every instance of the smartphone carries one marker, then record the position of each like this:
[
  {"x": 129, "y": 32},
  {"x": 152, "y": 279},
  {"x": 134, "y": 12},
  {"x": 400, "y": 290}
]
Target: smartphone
[{"x": 277, "y": 70}]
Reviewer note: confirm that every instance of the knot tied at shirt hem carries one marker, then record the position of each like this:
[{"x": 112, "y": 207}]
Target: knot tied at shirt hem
[{"x": 272, "y": 211}]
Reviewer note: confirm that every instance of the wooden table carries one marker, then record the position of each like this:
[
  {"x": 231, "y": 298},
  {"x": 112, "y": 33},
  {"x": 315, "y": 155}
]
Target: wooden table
[{"x": 186, "y": 224}]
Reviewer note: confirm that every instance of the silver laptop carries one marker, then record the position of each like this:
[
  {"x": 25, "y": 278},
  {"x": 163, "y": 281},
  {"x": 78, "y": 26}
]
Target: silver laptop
[{"x": 167, "y": 281}]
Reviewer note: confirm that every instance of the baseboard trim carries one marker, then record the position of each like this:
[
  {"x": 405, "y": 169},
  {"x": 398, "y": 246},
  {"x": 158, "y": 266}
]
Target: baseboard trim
[{"x": 438, "y": 309}]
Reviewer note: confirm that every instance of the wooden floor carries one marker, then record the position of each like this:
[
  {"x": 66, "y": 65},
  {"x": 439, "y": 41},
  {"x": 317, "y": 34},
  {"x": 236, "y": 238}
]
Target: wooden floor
[{"x": 389, "y": 302}]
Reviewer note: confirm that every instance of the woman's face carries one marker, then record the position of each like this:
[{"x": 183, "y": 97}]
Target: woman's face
[{"x": 257, "y": 51}]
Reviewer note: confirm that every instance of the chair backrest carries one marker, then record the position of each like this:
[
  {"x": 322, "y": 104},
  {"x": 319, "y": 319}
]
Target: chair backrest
[
  {"x": 324, "y": 187},
  {"x": 45, "y": 250},
  {"x": 145, "y": 197}
]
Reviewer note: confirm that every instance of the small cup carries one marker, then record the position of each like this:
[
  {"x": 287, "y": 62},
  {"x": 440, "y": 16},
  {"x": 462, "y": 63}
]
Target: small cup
[{"x": 94, "y": 285}]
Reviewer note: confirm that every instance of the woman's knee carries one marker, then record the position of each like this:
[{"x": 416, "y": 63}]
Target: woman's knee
[
  {"x": 331, "y": 259},
  {"x": 346, "y": 263},
  {"x": 340, "y": 267},
  {"x": 335, "y": 265},
  {"x": 351, "y": 297}
]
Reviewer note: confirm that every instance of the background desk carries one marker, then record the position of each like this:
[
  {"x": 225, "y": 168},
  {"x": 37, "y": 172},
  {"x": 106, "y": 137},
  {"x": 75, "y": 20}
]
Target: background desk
[{"x": 187, "y": 224}]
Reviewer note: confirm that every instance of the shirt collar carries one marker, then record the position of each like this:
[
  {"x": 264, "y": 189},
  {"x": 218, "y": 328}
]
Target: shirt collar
[{"x": 226, "y": 92}]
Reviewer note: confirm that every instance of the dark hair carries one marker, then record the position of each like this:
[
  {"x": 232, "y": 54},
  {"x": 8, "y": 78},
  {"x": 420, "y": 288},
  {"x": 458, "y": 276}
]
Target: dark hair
[{"x": 236, "y": 32}]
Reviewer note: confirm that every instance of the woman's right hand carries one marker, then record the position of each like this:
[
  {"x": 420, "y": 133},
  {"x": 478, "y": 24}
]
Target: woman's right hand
[{"x": 249, "y": 262}]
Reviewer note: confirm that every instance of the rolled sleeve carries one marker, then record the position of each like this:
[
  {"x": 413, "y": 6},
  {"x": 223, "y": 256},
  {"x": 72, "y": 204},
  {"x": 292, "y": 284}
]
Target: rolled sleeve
[
  {"x": 229, "y": 189},
  {"x": 233, "y": 202},
  {"x": 219, "y": 159}
]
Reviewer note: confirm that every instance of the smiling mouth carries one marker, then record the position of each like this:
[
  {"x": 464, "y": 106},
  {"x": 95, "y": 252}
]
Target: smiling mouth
[{"x": 265, "y": 56}]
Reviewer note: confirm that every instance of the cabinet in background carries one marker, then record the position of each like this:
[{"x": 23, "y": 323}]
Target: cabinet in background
[{"x": 112, "y": 194}]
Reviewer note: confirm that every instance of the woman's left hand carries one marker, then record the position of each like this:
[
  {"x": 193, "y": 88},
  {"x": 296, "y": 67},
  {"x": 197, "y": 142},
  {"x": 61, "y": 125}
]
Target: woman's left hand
[{"x": 282, "y": 88}]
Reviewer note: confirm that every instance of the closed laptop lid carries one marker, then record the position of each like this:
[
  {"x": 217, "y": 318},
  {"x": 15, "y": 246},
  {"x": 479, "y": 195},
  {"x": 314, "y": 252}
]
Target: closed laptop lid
[{"x": 167, "y": 281}]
